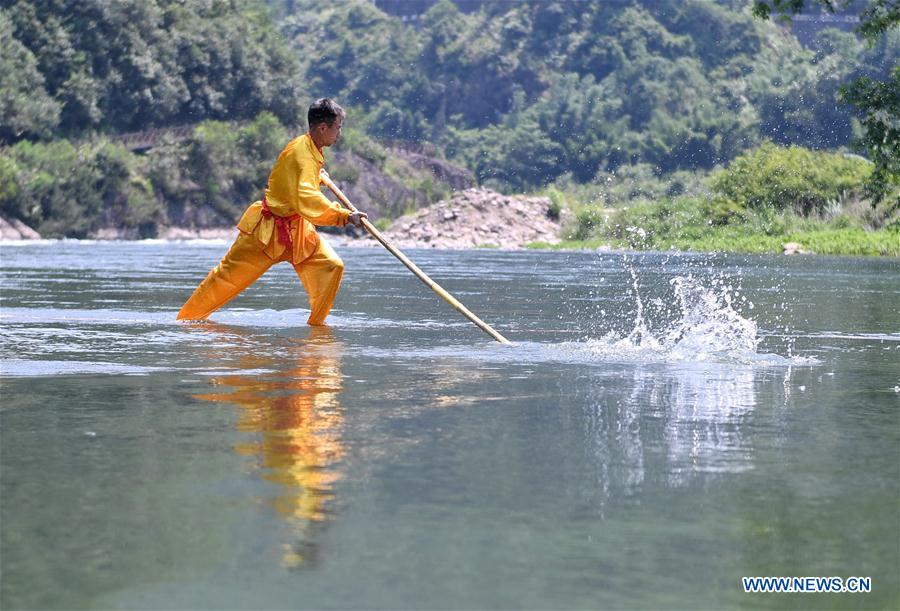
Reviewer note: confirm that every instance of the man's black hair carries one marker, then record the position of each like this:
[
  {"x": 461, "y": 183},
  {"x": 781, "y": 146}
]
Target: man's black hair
[{"x": 324, "y": 110}]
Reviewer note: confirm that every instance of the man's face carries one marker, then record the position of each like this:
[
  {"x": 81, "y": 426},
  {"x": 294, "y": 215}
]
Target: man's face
[{"x": 331, "y": 133}]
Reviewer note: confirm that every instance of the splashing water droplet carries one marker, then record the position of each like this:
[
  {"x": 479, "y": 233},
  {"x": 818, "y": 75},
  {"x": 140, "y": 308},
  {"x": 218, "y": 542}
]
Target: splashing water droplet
[{"x": 703, "y": 326}]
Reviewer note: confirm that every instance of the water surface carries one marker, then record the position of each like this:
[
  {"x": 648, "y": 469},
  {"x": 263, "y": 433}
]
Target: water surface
[{"x": 665, "y": 425}]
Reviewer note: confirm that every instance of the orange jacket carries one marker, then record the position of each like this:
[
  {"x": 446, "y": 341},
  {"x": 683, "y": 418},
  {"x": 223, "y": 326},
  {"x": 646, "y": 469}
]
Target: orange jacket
[{"x": 293, "y": 189}]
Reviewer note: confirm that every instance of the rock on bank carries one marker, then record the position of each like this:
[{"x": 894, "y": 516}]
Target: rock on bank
[
  {"x": 16, "y": 230},
  {"x": 478, "y": 218}
]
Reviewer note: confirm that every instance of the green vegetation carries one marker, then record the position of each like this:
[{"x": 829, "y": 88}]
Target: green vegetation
[
  {"x": 62, "y": 189},
  {"x": 359, "y": 143},
  {"x": 823, "y": 241},
  {"x": 133, "y": 64},
  {"x": 66, "y": 191},
  {"x": 880, "y": 103},
  {"x": 789, "y": 178},
  {"x": 221, "y": 167},
  {"x": 624, "y": 113},
  {"x": 878, "y": 100},
  {"x": 638, "y": 107},
  {"x": 529, "y": 93},
  {"x": 766, "y": 198}
]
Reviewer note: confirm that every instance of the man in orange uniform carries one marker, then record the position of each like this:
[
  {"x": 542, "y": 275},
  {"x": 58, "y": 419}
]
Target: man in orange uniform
[{"x": 281, "y": 227}]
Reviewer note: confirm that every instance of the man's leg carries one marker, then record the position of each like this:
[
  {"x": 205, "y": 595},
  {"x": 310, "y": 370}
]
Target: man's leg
[
  {"x": 321, "y": 275},
  {"x": 240, "y": 267}
]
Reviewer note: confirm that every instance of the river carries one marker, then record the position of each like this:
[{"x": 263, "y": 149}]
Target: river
[{"x": 664, "y": 425}]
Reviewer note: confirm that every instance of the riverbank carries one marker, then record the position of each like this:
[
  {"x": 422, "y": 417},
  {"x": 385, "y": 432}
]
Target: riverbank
[
  {"x": 482, "y": 218},
  {"x": 824, "y": 243},
  {"x": 831, "y": 242},
  {"x": 828, "y": 242}
]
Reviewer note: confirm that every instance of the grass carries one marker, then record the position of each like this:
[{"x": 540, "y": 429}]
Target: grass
[{"x": 824, "y": 241}]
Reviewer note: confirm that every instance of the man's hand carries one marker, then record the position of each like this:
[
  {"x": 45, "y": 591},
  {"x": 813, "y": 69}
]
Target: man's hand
[{"x": 356, "y": 218}]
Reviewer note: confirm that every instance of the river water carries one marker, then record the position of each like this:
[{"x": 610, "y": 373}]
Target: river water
[{"x": 664, "y": 425}]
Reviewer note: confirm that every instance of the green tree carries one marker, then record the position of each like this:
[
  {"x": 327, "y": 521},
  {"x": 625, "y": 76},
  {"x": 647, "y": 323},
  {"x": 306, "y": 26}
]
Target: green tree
[
  {"x": 133, "y": 64},
  {"x": 519, "y": 157},
  {"x": 794, "y": 178},
  {"x": 64, "y": 190},
  {"x": 26, "y": 109},
  {"x": 876, "y": 101},
  {"x": 354, "y": 52},
  {"x": 230, "y": 166},
  {"x": 880, "y": 103}
]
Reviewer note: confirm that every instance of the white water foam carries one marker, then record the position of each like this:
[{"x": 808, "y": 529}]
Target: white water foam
[{"x": 706, "y": 328}]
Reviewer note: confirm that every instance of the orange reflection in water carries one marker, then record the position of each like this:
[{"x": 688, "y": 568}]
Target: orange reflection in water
[{"x": 289, "y": 397}]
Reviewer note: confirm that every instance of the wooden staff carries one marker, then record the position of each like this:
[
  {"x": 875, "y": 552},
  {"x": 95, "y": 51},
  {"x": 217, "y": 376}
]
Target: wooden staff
[{"x": 412, "y": 266}]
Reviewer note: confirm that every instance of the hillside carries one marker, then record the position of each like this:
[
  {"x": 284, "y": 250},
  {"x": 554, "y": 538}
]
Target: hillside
[
  {"x": 590, "y": 99},
  {"x": 133, "y": 196}
]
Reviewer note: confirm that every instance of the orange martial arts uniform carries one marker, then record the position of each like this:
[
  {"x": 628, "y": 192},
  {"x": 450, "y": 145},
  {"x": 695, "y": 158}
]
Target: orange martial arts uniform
[{"x": 280, "y": 228}]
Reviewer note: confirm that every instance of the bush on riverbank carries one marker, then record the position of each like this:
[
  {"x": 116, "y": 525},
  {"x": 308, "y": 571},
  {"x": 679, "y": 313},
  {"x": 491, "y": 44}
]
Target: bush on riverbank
[
  {"x": 765, "y": 198},
  {"x": 65, "y": 190},
  {"x": 782, "y": 178},
  {"x": 217, "y": 170}
]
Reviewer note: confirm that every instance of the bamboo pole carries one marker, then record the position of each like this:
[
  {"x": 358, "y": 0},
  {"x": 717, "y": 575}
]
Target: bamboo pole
[{"x": 412, "y": 266}]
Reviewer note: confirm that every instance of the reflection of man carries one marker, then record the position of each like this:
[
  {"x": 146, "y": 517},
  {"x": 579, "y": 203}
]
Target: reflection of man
[
  {"x": 296, "y": 410},
  {"x": 281, "y": 227}
]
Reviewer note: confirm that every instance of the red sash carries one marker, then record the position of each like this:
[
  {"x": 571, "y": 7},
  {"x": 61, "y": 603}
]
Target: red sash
[{"x": 282, "y": 224}]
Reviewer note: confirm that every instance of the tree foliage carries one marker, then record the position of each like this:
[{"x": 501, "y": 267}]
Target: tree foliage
[
  {"x": 880, "y": 103},
  {"x": 26, "y": 109},
  {"x": 134, "y": 64},
  {"x": 876, "y": 97},
  {"x": 64, "y": 190},
  {"x": 218, "y": 170},
  {"x": 525, "y": 93}
]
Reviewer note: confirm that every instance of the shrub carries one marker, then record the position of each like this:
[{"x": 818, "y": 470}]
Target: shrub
[
  {"x": 588, "y": 221},
  {"x": 557, "y": 203},
  {"x": 66, "y": 191},
  {"x": 790, "y": 178},
  {"x": 646, "y": 222},
  {"x": 232, "y": 165},
  {"x": 9, "y": 188}
]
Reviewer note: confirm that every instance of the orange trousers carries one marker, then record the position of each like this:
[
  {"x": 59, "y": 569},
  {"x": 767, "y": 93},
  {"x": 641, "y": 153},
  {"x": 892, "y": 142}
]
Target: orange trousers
[{"x": 245, "y": 261}]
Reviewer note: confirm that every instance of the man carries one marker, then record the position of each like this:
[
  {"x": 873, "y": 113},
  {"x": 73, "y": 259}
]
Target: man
[{"x": 281, "y": 227}]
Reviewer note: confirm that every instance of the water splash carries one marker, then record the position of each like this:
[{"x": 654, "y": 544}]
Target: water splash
[
  {"x": 696, "y": 322},
  {"x": 709, "y": 324},
  {"x": 702, "y": 325}
]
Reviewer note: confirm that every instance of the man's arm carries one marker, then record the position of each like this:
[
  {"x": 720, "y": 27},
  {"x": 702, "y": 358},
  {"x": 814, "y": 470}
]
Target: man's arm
[{"x": 312, "y": 205}]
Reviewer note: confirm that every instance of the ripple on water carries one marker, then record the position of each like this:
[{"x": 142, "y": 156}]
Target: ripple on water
[
  {"x": 702, "y": 326},
  {"x": 292, "y": 317},
  {"x": 37, "y": 368}
]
